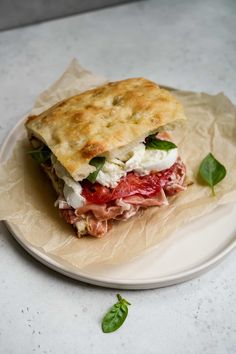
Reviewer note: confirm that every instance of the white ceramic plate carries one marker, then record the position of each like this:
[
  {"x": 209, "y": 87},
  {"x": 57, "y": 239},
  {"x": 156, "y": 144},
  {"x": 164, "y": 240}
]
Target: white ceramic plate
[{"x": 182, "y": 256}]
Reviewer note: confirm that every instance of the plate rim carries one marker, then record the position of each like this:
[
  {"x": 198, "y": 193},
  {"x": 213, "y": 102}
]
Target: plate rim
[{"x": 129, "y": 284}]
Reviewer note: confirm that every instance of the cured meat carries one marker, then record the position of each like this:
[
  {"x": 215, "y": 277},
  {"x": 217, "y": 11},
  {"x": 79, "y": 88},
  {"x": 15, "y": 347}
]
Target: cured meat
[
  {"x": 121, "y": 203},
  {"x": 69, "y": 215},
  {"x": 100, "y": 211},
  {"x": 96, "y": 228},
  {"x": 158, "y": 200}
]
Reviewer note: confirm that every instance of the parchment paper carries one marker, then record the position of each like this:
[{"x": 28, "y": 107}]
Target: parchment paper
[{"x": 27, "y": 198}]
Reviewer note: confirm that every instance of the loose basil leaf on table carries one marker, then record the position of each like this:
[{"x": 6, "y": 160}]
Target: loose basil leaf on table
[
  {"x": 97, "y": 162},
  {"x": 116, "y": 316},
  {"x": 153, "y": 143},
  {"x": 212, "y": 171},
  {"x": 41, "y": 154}
]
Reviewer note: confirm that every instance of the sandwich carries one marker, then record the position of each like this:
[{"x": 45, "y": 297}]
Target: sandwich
[{"x": 108, "y": 152}]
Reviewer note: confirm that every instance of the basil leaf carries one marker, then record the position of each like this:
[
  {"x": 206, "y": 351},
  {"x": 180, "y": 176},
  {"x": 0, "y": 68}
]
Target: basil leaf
[
  {"x": 152, "y": 143},
  {"x": 41, "y": 155},
  {"x": 212, "y": 171},
  {"x": 97, "y": 162},
  {"x": 116, "y": 316}
]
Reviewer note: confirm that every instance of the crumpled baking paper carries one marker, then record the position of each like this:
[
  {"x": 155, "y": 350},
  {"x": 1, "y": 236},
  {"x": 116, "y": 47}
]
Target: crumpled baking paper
[{"x": 27, "y": 198}]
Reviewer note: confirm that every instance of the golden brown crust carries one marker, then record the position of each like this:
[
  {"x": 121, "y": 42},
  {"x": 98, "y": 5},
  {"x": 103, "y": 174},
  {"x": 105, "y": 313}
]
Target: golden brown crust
[{"x": 103, "y": 119}]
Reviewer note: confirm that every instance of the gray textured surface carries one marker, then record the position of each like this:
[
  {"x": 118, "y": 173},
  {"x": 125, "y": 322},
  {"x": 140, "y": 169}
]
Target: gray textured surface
[
  {"x": 15, "y": 13},
  {"x": 189, "y": 45}
]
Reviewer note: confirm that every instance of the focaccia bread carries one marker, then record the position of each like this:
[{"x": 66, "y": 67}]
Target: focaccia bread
[{"x": 102, "y": 120}]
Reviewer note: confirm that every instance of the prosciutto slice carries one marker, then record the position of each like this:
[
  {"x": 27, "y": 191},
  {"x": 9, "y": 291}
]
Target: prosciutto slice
[
  {"x": 96, "y": 228},
  {"x": 100, "y": 211},
  {"x": 69, "y": 215},
  {"x": 158, "y": 200},
  {"x": 175, "y": 181}
]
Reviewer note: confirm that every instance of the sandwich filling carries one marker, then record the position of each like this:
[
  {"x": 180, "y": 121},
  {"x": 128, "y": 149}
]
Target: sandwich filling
[{"x": 122, "y": 184}]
